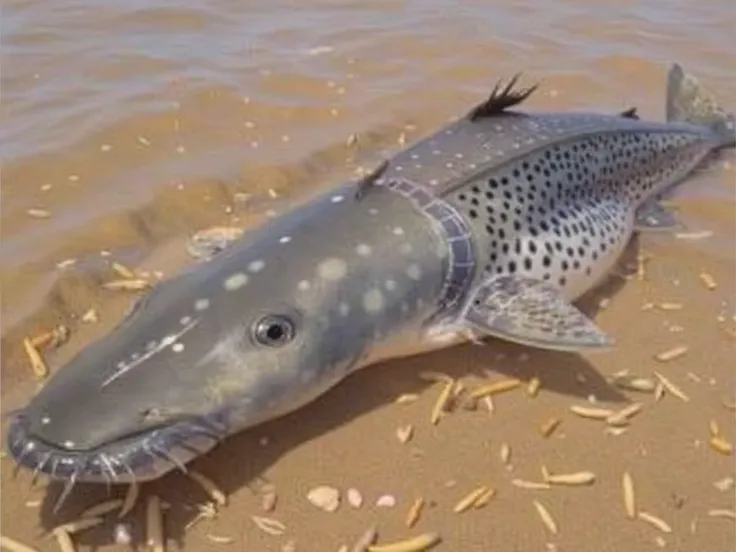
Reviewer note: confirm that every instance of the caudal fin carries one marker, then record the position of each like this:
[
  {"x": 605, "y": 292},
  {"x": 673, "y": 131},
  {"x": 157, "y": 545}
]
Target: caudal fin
[{"x": 689, "y": 102}]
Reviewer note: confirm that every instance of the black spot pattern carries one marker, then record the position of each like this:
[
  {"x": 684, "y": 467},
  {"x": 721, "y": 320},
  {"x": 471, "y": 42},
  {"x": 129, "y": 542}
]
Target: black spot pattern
[{"x": 564, "y": 212}]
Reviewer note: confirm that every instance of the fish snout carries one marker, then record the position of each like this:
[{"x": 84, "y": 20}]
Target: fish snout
[{"x": 137, "y": 457}]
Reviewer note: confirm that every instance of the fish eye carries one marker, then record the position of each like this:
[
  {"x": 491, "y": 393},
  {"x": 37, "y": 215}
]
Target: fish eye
[{"x": 274, "y": 330}]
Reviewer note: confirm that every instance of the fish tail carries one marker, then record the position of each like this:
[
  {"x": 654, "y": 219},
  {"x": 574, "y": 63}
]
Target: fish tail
[{"x": 689, "y": 102}]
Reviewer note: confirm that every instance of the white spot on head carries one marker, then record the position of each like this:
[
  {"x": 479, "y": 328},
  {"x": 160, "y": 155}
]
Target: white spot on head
[
  {"x": 151, "y": 345},
  {"x": 45, "y": 420},
  {"x": 390, "y": 285},
  {"x": 121, "y": 364},
  {"x": 284, "y": 239},
  {"x": 372, "y": 211},
  {"x": 336, "y": 198},
  {"x": 177, "y": 347},
  {"x": 399, "y": 231},
  {"x": 236, "y": 281},
  {"x": 202, "y": 304},
  {"x": 363, "y": 249},
  {"x": 373, "y": 301},
  {"x": 168, "y": 340},
  {"x": 433, "y": 182},
  {"x": 332, "y": 269},
  {"x": 414, "y": 271},
  {"x": 343, "y": 309},
  {"x": 68, "y": 444},
  {"x": 303, "y": 285},
  {"x": 184, "y": 320},
  {"x": 256, "y": 266}
]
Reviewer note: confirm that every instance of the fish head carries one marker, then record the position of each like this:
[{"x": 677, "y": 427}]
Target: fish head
[{"x": 257, "y": 331}]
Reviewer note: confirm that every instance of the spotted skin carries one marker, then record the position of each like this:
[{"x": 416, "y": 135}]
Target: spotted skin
[{"x": 491, "y": 226}]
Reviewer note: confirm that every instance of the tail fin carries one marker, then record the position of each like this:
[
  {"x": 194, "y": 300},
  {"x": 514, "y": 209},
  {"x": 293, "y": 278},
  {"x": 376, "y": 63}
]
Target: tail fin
[{"x": 689, "y": 102}]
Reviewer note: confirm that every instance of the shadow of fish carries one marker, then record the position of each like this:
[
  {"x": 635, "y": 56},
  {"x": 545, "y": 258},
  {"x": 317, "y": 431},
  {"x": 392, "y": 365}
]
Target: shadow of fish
[{"x": 493, "y": 226}]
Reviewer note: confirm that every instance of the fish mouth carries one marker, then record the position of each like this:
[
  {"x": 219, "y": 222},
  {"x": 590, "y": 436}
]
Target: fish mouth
[{"x": 135, "y": 457}]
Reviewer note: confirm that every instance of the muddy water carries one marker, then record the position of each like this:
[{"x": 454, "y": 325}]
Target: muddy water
[{"x": 127, "y": 126}]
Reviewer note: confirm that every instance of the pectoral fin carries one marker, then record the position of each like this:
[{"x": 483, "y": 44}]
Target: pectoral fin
[
  {"x": 652, "y": 216},
  {"x": 531, "y": 312}
]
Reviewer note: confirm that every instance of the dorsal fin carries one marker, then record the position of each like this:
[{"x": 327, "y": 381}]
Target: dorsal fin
[
  {"x": 630, "y": 114},
  {"x": 365, "y": 183},
  {"x": 502, "y": 99}
]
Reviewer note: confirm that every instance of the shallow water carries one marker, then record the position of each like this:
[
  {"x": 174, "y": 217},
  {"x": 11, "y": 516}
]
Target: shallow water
[
  {"x": 134, "y": 124},
  {"x": 106, "y": 105}
]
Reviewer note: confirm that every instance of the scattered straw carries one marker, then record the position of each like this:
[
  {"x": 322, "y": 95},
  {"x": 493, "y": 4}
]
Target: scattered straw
[
  {"x": 672, "y": 388},
  {"x": 656, "y": 522},
  {"x": 722, "y": 513},
  {"x": 442, "y": 401},
  {"x": 484, "y": 499},
  {"x": 414, "y": 544},
  {"x": 530, "y": 485},
  {"x": 548, "y": 427},
  {"x": 708, "y": 281},
  {"x": 495, "y": 388},
  {"x": 591, "y": 412},
  {"x": 414, "y": 512},
  {"x": 629, "y": 496},
  {"x": 469, "y": 500},
  {"x": 671, "y": 354},
  {"x": 123, "y": 271},
  {"x": 546, "y": 517},
  {"x": 40, "y": 370},
  {"x": 572, "y": 479},
  {"x": 533, "y": 387},
  {"x": 64, "y": 540},
  {"x": 126, "y": 285}
]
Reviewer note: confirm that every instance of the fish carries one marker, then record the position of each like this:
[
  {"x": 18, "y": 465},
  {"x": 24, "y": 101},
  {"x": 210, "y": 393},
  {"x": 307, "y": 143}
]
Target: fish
[{"x": 490, "y": 228}]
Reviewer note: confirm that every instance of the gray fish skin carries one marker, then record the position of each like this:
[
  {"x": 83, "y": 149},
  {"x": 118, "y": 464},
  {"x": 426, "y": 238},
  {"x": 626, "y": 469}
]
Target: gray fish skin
[{"x": 493, "y": 226}]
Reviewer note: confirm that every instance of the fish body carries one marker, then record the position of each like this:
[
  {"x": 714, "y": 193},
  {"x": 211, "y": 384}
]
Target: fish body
[{"x": 493, "y": 226}]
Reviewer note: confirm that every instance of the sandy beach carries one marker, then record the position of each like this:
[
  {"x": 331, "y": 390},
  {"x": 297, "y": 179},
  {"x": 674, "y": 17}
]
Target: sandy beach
[{"x": 128, "y": 128}]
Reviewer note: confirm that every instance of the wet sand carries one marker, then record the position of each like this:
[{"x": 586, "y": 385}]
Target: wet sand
[{"x": 133, "y": 136}]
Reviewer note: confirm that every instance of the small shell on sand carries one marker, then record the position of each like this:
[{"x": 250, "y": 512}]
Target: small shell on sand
[
  {"x": 325, "y": 498},
  {"x": 386, "y": 501},
  {"x": 355, "y": 499}
]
